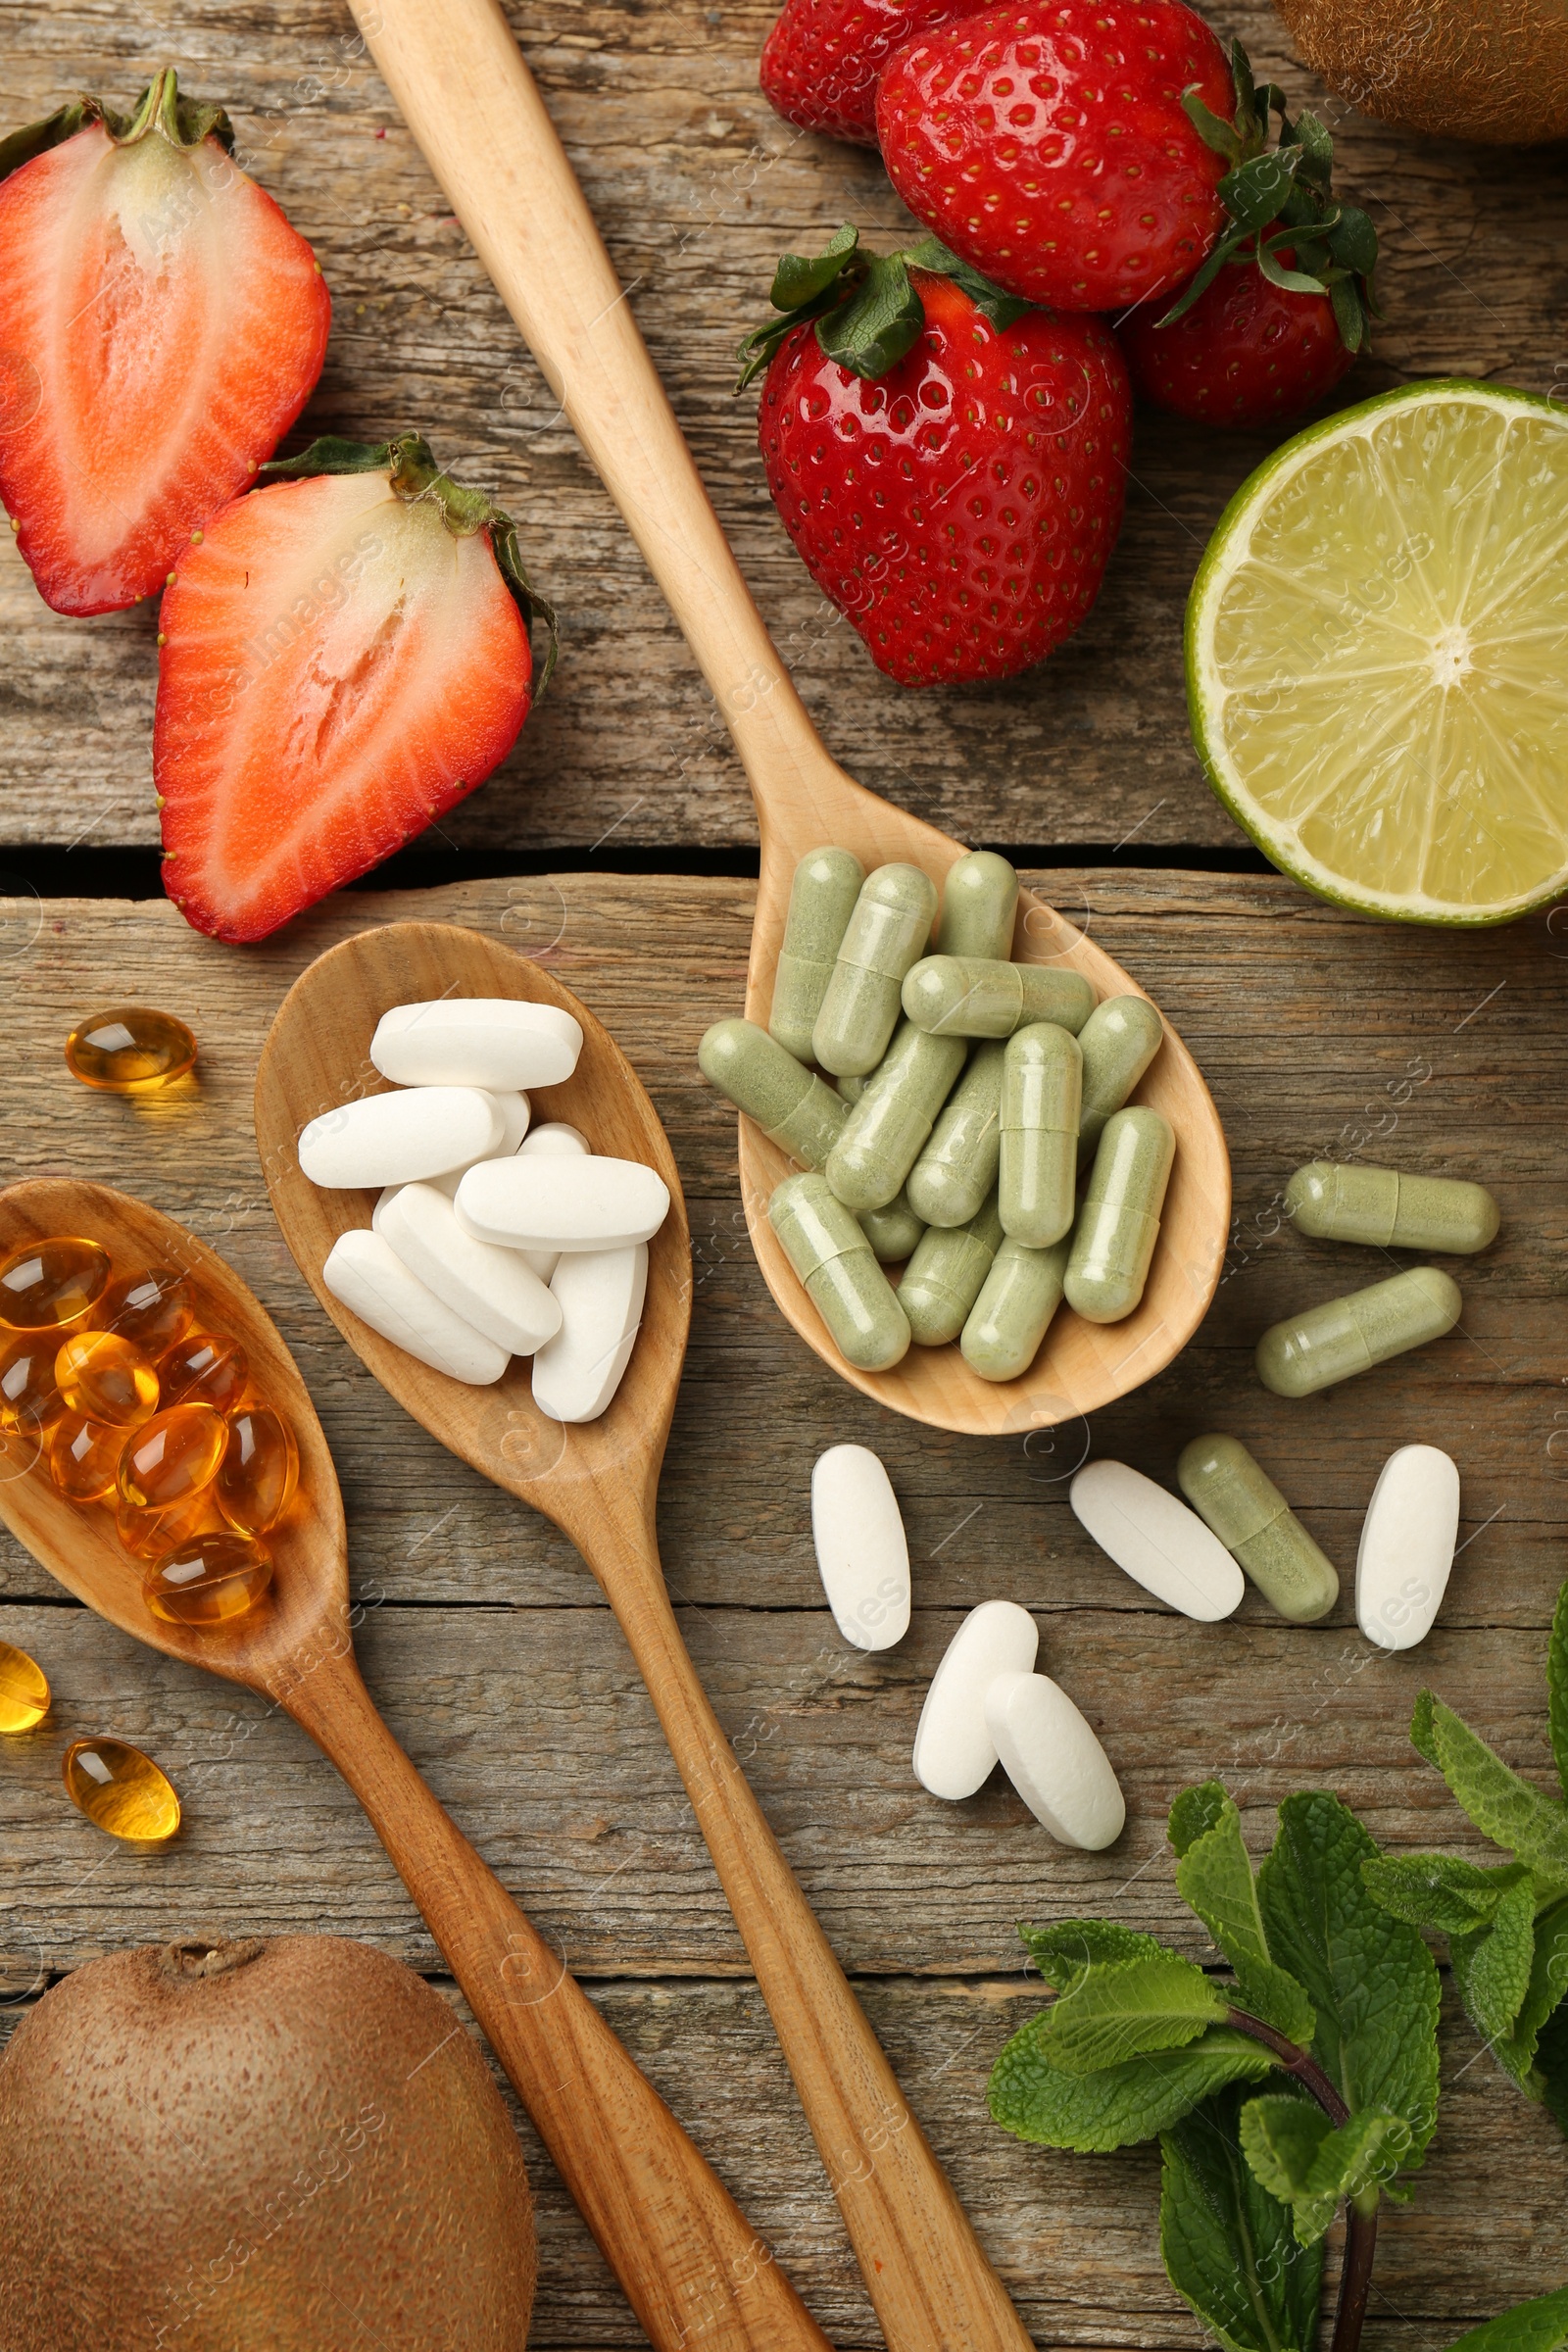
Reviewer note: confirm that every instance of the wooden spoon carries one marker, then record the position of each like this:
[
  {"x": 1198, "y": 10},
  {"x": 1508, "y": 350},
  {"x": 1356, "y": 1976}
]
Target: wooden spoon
[
  {"x": 933, "y": 2289},
  {"x": 682, "y": 2249},
  {"x": 466, "y": 95}
]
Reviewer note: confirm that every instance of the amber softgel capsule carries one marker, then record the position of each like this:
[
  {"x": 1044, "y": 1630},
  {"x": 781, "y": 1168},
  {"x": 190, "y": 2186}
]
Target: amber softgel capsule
[
  {"x": 130, "y": 1050},
  {"x": 47, "y": 1285},
  {"x": 24, "y": 1690},
  {"x": 121, "y": 1790},
  {"x": 103, "y": 1377}
]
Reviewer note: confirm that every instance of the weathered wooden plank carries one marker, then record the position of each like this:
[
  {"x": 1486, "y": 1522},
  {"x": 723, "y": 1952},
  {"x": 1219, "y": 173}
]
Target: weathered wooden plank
[{"x": 698, "y": 187}]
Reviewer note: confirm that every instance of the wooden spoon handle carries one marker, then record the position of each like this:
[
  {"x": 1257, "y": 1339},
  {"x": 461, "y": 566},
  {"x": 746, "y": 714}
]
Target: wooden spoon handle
[
  {"x": 932, "y": 2286},
  {"x": 462, "y": 87},
  {"x": 690, "y": 2262}
]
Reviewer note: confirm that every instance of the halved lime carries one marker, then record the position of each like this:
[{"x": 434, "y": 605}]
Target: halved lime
[{"x": 1377, "y": 655}]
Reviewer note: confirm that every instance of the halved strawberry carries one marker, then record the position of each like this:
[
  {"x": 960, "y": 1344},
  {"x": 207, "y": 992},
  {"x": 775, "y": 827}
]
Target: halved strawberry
[
  {"x": 163, "y": 325},
  {"x": 345, "y": 653}
]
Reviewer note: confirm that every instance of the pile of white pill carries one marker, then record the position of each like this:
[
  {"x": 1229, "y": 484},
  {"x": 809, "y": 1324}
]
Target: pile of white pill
[
  {"x": 985, "y": 1703},
  {"x": 491, "y": 1238},
  {"x": 1194, "y": 1559},
  {"x": 953, "y": 1113}
]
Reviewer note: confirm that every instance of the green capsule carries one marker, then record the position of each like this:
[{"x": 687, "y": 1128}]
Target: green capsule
[
  {"x": 1041, "y": 1080},
  {"x": 943, "y": 1279},
  {"x": 1118, "y": 1226},
  {"x": 979, "y": 905},
  {"x": 1345, "y": 1336},
  {"x": 887, "y": 933},
  {"x": 1012, "y": 1313},
  {"x": 822, "y": 898},
  {"x": 791, "y": 1105},
  {"x": 884, "y": 1133},
  {"x": 851, "y": 1089},
  {"x": 892, "y": 1232},
  {"x": 967, "y": 996},
  {"x": 1390, "y": 1210},
  {"x": 957, "y": 1168},
  {"x": 1258, "y": 1527},
  {"x": 843, "y": 1280},
  {"x": 1119, "y": 1041}
]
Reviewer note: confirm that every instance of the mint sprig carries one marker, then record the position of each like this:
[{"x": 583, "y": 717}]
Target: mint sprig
[{"x": 1282, "y": 199}]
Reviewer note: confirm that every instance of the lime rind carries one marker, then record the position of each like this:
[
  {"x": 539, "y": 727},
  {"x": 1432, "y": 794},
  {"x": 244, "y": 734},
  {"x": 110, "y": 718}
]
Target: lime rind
[{"x": 1369, "y": 729}]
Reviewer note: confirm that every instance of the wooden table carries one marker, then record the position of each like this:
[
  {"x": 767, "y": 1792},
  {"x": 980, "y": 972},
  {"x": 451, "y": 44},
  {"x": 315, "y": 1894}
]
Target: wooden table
[{"x": 482, "y": 1638}]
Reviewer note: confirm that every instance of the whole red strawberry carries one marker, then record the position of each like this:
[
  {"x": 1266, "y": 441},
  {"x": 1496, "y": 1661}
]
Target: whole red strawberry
[
  {"x": 345, "y": 655},
  {"x": 950, "y": 463},
  {"x": 1279, "y": 309},
  {"x": 162, "y": 326},
  {"x": 821, "y": 60},
  {"x": 1048, "y": 146}
]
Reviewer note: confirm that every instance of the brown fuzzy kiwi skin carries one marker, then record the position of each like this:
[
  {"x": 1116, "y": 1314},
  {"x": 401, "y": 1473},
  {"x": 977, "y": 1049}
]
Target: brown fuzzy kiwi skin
[
  {"x": 1492, "y": 70},
  {"x": 287, "y": 2145}
]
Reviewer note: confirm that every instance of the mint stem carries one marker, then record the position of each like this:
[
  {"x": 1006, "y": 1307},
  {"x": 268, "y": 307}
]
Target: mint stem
[{"x": 1361, "y": 2214}]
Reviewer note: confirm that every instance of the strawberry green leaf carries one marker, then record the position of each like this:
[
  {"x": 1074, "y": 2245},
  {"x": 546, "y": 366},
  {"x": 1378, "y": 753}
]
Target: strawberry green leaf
[
  {"x": 1317, "y": 152},
  {"x": 1369, "y": 1976},
  {"x": 1491, "y": 1964},
  {"x": 1067, "y": 1947},
  {"x": 882, "y": 320},
  {"x": 1439, "y": 1891},
  {"x": 1000, "y": 309},
  {"x": 1549, "y": 1983},
  {"x": 1349, "y": 313},
  {"x": 1030, "y": 2096},
  {"x": 1228, "y": 2245},
  {"x": 1558, "y": 1686},
  {"x": 1214, "y": 1877},
  {"x": 20, "y": 147},
  {"x": 1214, "y": 134},
  {"x": 1354, "y": 241},
  {"x": 798, "y": 279},
  {"x": 1503, "y": 1807},
  {"x": 1537, "y": 2326},
  {"x": 182, "y": 122},
  {"x": 1292, "y": 281},
  {"x": 1255, "y": 191},
  {"x": 1229, "y": 249},
  {"x": 1127, "y": 2008},
  {"x": 1300, "y": 2157}
]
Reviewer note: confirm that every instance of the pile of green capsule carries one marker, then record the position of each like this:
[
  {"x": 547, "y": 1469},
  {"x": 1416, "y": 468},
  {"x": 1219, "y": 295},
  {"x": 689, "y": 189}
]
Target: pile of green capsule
[{"x": 969, "y": 1094}]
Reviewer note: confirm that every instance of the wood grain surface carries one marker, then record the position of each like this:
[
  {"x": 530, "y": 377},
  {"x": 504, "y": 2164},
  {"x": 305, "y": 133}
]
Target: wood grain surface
[
  {"x": 497, "y": 1664},
  {"x": 698, "y": 187}
]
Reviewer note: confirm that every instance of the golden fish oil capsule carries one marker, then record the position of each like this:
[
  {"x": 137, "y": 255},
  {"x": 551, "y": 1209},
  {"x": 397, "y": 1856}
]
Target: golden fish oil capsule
[
  {"x": 259, "y": 1469},
  {"x": 83, "y": 1458},
  {"x": 148, "y": 1535},
  {"x": 24, "y": 1690},
  {"x": 205, "y": 1367},
  {"x": 48, "y": 1284},
  {"x": 129, "y": 1050},
  {"x": 209, "y": 1582},
  {"x": 106, "y": 1379},
  {"x": 121, "y": 1790},
  {"x": 151, "y": 1309},
  {"x": 175, "y": 1456},
  {"x": 29, "y": 1394}
]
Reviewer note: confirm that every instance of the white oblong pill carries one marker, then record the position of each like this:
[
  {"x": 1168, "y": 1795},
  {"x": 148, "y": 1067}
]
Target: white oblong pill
[
  {"x": 1157, "y": 1541},
  {"x": 555, "y": 1140},
  {"x": 495, "y": 1042},
  {"x": 546, "y": 1202},
  {"x": 860, "y": 1547},
  {"x": 515, "y": 1112},
  {"x": 600, "y": 1293},
  {"x": 491, "y": 1289},
  {"x": 388, "y": 1193},
  {"x": 1053, "y": 1760},
  {"x": 1406, "y": 1549},
  {"x": 367, "y": 1275},
  {"x": 955, "y": 1754},
  {"x": 400, "y": 1138}
]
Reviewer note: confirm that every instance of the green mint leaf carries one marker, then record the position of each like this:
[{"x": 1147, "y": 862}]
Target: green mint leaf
[
  {"x": 1558, "y": 1686},
  {"x": 1503, "y": 1807},
  {"x": 1126, "y": 2007},
  {"x": 1491, "y": 1965},
  {"x": 1304, "y": 2161},
  {"x": 1422, "y": 1737},
  {"x": 800, "y": 279},
  {"x": 1369, "y": 1976},
  {"x": 1000, "y": 309},
  {"x": 1228, "y": 2245},
  {"x": 880, "y": 322},
  {"x": 1537, "y": 2326},
  {"x": 1091, "y": 2114},
  {"x": 1065, "y": 1949},
  {"x": 1437, "y": 1891},
  {"x": 1255, "y": 191},
  {"x": 1214, "y": 1877},
  {"x": 1549, "y": 1983},
  {"x": 1552, "y": 2064}
]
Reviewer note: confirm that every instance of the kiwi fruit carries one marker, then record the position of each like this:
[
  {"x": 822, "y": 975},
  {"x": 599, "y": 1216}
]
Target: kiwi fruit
[
  {"x": 287, "y": 2145},
  {"x": 1493, "y": 70}
]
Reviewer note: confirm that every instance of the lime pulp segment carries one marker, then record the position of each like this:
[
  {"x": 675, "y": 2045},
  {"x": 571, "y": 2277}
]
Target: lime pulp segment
[{"x": 1377, "y": 655}]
